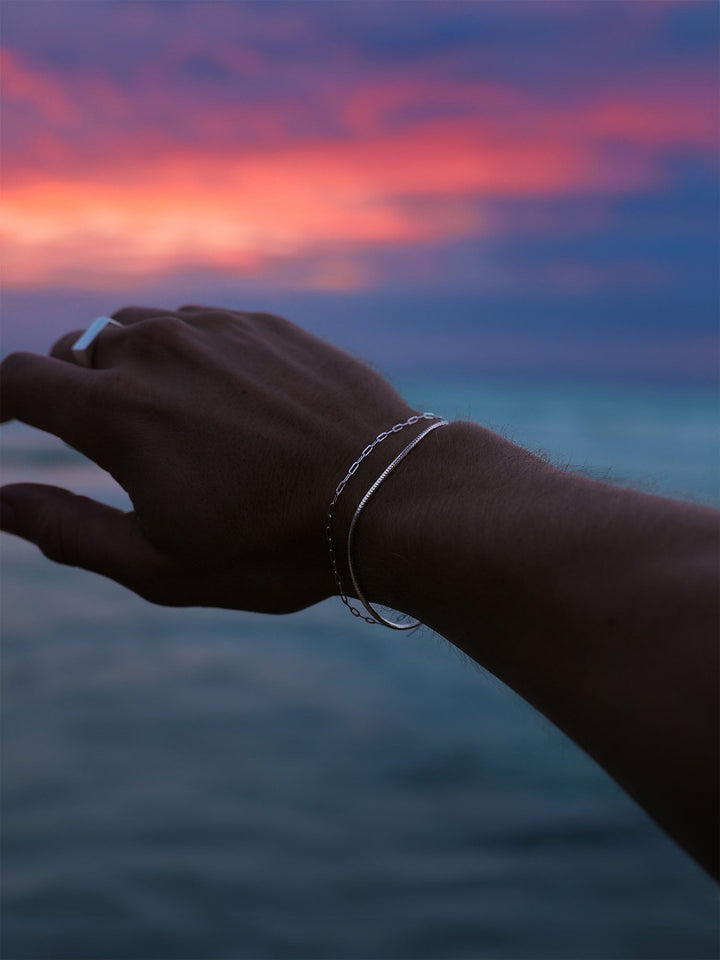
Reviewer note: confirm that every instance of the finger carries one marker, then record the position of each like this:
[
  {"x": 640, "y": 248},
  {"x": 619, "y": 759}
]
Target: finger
[
  {"x": 51, "y": 395},
  {"x": 130, "y": 315},
  {"x": 61, "y": 349},
  {"x": 109, "y": 344},
  {"x": 191, "y": 308},
  {"x": 80, "y": 532},
  {"x": 215, "y": 321},
  {"x": 194, "y": 312},
  {"x": 203, "y": 316},
  {"x": 103, "y": 351}
]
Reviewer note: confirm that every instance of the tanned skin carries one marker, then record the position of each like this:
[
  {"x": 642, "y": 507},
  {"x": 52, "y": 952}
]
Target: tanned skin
[{"x": 230, "y": 431}]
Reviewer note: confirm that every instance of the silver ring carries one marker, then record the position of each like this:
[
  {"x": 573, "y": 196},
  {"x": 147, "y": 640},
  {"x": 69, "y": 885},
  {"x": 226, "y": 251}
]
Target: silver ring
[{"x": 82, "y": 349}]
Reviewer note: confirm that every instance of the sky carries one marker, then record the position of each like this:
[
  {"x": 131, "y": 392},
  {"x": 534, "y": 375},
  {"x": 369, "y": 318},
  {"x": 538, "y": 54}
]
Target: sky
[{"x": 513, "y": 185}]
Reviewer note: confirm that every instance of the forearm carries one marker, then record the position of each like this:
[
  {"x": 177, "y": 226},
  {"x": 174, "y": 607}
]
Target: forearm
[{"x": 595, "y": 603}]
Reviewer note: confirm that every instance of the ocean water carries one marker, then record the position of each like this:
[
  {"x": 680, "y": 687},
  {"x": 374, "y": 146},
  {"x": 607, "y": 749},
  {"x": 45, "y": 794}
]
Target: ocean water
[{"x": 212, "y": 785}]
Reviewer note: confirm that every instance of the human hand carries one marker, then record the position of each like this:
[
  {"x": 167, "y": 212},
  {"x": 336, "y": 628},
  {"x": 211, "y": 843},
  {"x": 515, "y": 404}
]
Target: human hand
[{"x": 229, "y": 431}]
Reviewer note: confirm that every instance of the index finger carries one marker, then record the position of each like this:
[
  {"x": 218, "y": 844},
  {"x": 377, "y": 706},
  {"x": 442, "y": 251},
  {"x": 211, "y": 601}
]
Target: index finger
[{"x": 51, "y": 395}]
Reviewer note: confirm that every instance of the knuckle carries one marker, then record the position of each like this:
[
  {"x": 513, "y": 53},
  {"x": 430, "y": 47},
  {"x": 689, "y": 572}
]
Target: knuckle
[
  {"x": 198, "y": 311},
  {"x": 131, "y": 314},
  {"x": 159, "y": 327},
  {"x": 157, "y": 333},
  {"x": 272, "y": 320},
  {"x": 126, "y": 314},
  {"x": 214, "y": 318}
]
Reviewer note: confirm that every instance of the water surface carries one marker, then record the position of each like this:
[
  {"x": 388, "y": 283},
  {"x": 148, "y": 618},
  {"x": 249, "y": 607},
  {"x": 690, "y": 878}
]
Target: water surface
[{"x": 212, "y": 785}]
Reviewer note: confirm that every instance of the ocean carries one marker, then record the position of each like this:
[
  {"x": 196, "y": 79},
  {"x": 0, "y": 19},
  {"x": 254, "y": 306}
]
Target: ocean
[{"x": 213, "y": 785}]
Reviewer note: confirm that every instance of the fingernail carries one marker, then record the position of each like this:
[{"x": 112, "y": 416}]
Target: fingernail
[{"x": 8, "y": 520}]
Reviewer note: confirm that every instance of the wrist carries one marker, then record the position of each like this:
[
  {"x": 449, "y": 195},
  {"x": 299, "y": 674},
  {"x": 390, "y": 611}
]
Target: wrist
[
  {"x": 595, "y": 603},
  {"x": 443, "y": 518},
  {"x": 344, "y": 511}
]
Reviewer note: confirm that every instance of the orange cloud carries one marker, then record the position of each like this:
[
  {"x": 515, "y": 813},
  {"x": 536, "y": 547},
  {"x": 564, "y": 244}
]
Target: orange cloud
[
  {"x": 140, "y": 204},
  {"x": 229, "y": 212}
]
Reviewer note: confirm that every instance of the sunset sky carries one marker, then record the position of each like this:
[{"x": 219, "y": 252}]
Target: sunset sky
[{"x": 510, "y": 169}]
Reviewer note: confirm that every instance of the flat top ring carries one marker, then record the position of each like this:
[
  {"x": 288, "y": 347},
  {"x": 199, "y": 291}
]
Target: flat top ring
[{"x": 82, "y": 349}]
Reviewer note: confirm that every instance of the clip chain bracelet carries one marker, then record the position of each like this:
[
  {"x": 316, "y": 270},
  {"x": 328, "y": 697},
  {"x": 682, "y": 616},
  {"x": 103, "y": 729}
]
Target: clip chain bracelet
[
  {"x": 375, "y": 618},
  {"x": 339, "y": 489},
  {"x": 378, "y": 617}
]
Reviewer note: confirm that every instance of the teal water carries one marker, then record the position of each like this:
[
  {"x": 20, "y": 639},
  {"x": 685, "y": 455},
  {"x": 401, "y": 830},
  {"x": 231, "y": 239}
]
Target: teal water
[{"x": 208, "y": 785}]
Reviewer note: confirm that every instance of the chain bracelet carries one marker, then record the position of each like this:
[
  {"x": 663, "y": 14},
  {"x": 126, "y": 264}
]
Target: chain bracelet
[{"x": 339, "y": 489}]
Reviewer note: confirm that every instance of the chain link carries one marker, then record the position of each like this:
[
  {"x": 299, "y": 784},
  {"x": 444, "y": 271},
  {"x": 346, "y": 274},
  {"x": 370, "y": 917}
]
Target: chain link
[{"x": 339, "y": 489}]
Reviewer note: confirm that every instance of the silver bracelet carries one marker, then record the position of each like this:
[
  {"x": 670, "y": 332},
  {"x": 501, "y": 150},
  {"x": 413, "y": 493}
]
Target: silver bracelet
[
  {"x": 378, "y": 617},
  {"x": 339, "y": 489}
]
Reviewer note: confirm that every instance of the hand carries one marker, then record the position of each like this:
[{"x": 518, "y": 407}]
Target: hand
[{"x": 228, "y": 430}]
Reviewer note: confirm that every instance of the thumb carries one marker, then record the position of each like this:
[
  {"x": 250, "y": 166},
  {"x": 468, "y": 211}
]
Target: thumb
[{"x": 81, "y": 532}]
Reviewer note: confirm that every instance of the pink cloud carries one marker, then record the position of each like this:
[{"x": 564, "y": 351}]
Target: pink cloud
[
  {"x": 114, "y": 189},
  {"x": 34, "y": 89}
]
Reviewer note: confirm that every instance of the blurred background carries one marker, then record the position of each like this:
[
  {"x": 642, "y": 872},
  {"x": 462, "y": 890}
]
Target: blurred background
[{"x": 511, "y": 210}]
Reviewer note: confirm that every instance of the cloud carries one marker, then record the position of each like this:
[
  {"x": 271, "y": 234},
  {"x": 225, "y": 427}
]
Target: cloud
[
  {"x": 157, "y": 207},
  {"x": 35, "y": 90},
  {"x": 208, "y": 157}
]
